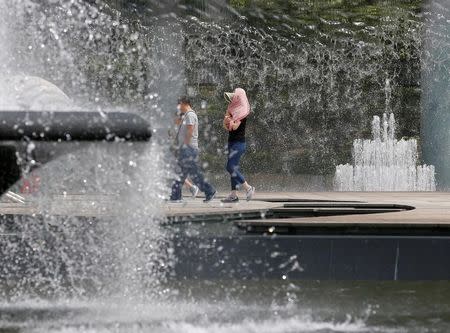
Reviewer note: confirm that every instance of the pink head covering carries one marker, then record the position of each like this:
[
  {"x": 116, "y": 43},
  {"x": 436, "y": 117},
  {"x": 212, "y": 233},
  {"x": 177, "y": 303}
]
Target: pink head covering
[{"x": 239, "y": 107}]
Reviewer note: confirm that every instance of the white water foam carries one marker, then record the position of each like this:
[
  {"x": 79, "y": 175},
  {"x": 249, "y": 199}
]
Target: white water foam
[
  {"x": 287, "y": 325},
  {"x": 177, "y": 317}
]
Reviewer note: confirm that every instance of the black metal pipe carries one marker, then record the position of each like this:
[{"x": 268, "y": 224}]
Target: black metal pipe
[{"x": 72, "y": 126}]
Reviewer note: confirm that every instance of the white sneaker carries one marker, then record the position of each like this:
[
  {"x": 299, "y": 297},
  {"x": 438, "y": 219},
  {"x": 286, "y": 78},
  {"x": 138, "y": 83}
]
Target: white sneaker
[
  {"x": 250, "y": 193},
  {"x": 194, "y": 191}
]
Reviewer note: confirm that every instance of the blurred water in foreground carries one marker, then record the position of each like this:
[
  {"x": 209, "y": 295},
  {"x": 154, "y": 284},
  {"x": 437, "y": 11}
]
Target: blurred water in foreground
[
  {"x": 281, "y": 307},
  {"x": 126, "y": 253}
]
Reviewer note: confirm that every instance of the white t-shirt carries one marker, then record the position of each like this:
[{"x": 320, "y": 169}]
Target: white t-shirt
[{"x": 189, "y": 118}]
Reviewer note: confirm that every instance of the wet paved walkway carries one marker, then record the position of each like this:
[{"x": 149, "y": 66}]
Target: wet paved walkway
[{"x": 430, "y": 208}]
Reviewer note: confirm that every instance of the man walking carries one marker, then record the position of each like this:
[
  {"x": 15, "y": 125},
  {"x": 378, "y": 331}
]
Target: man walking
[{"x": 187, "y": 141}]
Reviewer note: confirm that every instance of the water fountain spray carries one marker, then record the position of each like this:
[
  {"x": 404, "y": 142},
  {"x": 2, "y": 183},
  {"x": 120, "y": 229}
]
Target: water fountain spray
[
  {"x": 384, "y": 163},
  {"x": 56, "y": 127}
]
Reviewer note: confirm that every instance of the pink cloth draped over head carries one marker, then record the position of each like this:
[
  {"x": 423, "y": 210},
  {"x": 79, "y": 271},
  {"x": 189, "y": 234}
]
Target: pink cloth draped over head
[{"x": 239, "y": 107}]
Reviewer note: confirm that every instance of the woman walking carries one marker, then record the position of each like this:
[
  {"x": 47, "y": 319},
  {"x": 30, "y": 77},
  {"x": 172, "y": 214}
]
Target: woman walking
[{"x": 235, "y": 122}]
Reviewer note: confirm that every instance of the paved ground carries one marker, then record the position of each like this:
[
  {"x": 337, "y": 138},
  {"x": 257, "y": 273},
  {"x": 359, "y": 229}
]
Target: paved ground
[
  {"x": 431, "y": 208},
  {"x": 215, "y": 207}
]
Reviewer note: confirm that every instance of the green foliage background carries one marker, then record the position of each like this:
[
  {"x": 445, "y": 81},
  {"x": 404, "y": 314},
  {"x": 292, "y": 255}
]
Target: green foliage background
[{"x": 315, "y": 72}]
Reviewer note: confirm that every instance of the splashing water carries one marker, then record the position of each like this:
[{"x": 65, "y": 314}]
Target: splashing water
[
  {"x": 183, "y": 317},
  {"x": 99, "y": 58},
  {"x": 384, "y": 163},
  {"x": 122, "y": 252},
  {"x": 308, "y": 88}
]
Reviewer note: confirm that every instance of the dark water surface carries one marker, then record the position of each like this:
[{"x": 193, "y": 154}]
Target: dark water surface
[{"x": 237, "y": 306}]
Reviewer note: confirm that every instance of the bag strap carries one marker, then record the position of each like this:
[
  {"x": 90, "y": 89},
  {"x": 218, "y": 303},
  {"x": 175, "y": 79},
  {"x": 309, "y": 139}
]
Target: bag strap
[{"x": 181, "y": 124}]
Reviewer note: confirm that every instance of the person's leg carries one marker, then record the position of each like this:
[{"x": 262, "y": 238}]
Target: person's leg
[
  {"x": 246, "y": 186},
  {"x": 183, "y": 172},
  {"x": 197, "y": 176},
  {"x": 187, "y": 183},
  {"x": 191, "y": 187},
  {"x": 176, "y": 190},
  {"x": 235, "y": 152}
]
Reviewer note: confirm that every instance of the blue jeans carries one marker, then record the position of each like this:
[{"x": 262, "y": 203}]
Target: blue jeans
[
  {"x": 235, "y": 150},
  {"x": 188, "y": 166}
]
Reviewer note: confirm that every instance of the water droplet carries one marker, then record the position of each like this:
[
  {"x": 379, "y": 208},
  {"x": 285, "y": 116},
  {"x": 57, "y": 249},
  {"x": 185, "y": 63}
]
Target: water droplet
[{"x": 134, "y": 36}]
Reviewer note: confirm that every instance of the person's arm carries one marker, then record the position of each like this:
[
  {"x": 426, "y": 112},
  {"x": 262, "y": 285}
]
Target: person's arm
[
  {"x": 229, "y": 124},
  {"x": 189, "y": 132},
  {"x": 226, "y": 121},
  {"x": 235, "y": 124}
]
